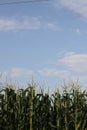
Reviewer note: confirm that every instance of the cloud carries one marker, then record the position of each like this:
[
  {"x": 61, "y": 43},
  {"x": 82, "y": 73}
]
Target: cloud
[
  {"x": 52, "y": 26},
  {"x": 77, "y": 30},
  {"x": 78, "y": 6},
  {"x": 27, "y": 23},
  {"x": 20, "y": 72},
  {"x": 76, "y": 62},
  {"x": 68, "y": 66},
  {"x": 54, "y": 72}
]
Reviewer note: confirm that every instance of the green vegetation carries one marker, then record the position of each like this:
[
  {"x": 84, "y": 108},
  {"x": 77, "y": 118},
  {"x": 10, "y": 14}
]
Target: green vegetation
[{"x": 25, "y": 109}]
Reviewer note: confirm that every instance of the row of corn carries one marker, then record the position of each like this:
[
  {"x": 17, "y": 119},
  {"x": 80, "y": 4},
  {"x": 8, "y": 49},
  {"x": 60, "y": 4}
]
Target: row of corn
[{"x": 25, "y": 109}]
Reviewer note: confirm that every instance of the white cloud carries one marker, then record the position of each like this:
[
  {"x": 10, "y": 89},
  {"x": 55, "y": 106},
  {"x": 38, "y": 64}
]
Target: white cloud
[
  {"x": 20, "y": 72},
  {"x": 54, "y": 72},
  {"x": 68, "y": 66},
  {"x": 76, "y": 62},
  {"x": 27, "y": 23},
  {"x": 6, "y": 24},
  {"x": 77, "y": 30},
  {"x": 52, "y": 26},
  {"x": 78, "y": 6}
]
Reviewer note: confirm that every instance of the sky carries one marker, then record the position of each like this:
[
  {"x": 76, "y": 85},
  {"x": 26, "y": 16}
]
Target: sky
[{"x": 44, "y": 40}]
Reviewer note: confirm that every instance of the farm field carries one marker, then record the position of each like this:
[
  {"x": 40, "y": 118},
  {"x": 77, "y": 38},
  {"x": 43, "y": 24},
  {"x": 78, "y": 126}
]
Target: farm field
[{"x": 25, "y": 109}]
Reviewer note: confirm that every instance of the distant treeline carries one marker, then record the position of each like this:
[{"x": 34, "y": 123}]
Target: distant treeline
[{"x": 25, "y": 109}]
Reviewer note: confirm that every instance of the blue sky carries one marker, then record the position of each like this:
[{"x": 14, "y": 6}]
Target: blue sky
[{"x": 46, "y": 40}]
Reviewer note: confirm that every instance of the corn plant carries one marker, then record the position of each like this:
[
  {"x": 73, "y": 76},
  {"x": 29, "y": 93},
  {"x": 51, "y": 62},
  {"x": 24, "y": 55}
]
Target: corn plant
[{"x": 25, "y": 109}]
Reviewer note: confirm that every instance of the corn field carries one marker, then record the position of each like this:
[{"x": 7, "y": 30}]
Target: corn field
[{"x": 25, "y": 109}]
